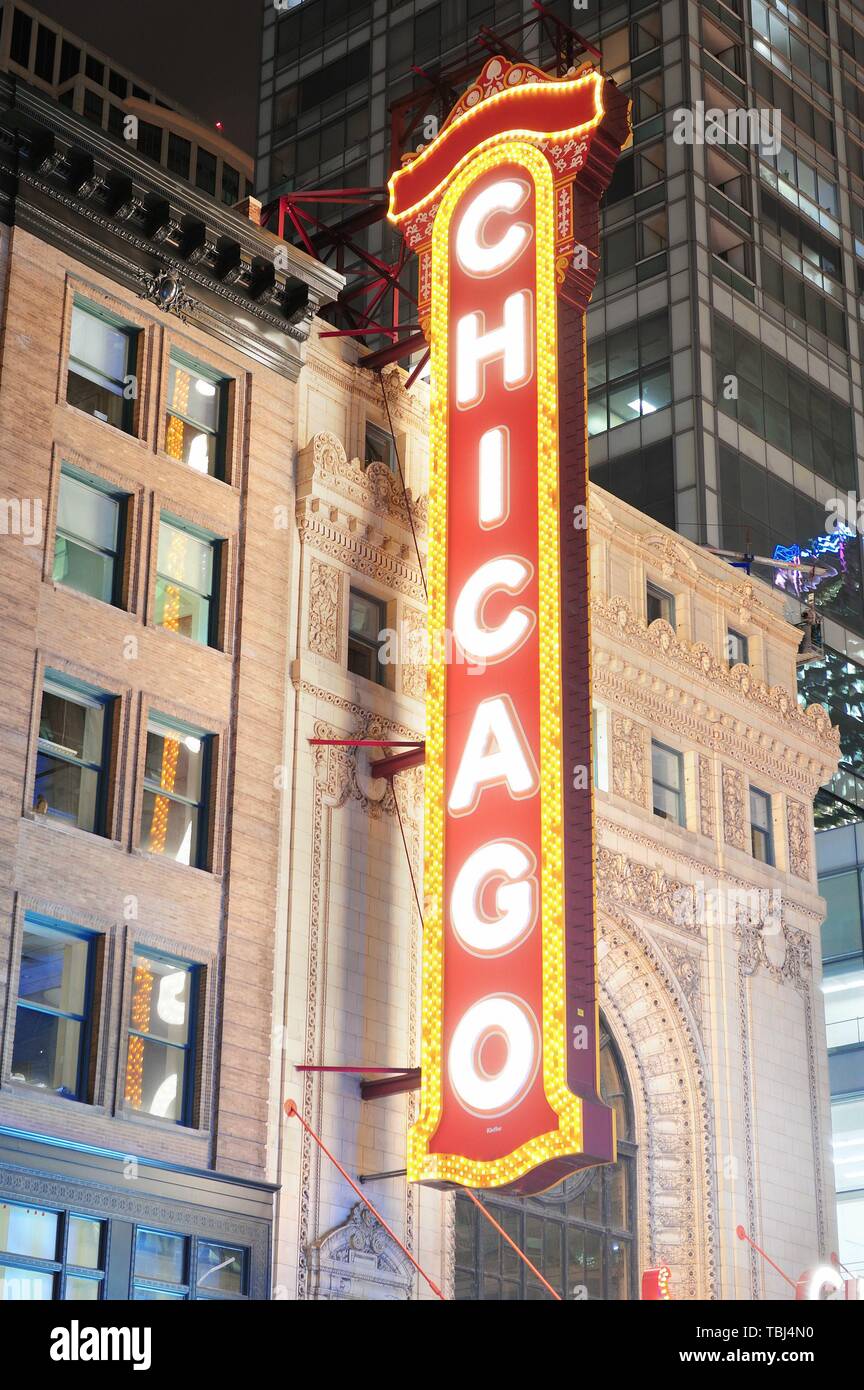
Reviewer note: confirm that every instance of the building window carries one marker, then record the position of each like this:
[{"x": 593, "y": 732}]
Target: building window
[
  {"x": 176, "y": 790},
  {"x": 46, "y": 47},
  {"x": 93, "y": 106},
  {"x": 22, "y": 30},
  {"x": 379, "y": 447},
  {"x": 160, "y": 1061},
  {"x": 628, "y": 374},
  {"x": 70, "y": 61},
  {"x": 761, "y": 833},
  {"x": 205, "y": 172},
  {"x": 89, "y": 538},
  {"x": 186, "y": 575},
  {"x": 195, "y": 426},
  {"x": 667, "y": 780},
  {"x": 71, "y": 764},
  {"x": 179, "y": 155},
  {"x": 230, "y": 185},
  {"x": 64, "y": 1254},
  {"x": 367, "y": 619},
  {"x": 102, "y": 353},
  {"x": 51, "y": 1050},
  {"x": 581, "y": 1235},
  {"x": 150, "y": 140},
  {"x": 94, "y": 70},
  {"x": 659, "y": 604},
  {"x": 169, "y": 1266},
  {"x": 737, "y": 648}
]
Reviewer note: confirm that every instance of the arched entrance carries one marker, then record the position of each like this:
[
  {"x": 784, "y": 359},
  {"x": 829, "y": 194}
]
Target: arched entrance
[{"x": 580, "y": 1235}]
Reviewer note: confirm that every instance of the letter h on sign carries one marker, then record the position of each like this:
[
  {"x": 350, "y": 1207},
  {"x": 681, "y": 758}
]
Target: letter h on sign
[{"x": 494, "y": 208}]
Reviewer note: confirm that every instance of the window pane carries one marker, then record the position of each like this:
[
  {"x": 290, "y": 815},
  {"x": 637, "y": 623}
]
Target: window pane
[
  {"x": 181, "y": 610},
  {"x": 28, "y": 1231},
  {"x": 666, "y": 766},
  {"x": 170, "y": 828},
  {"x": 88, "y": 513},
  {"x": 656, "y": 392},
  {"x": 66, "y": 791},
  {"x": 53, "y": 969},
  {"x": 760, "y": 809},
  {"x": 666, "y": 803},
  {"x": 174, "y": 761},
  {"x": 46, "y": 1052},
  {"x": 80, "y": 1289},
  {"x": 159, "y": 1255},
  {"x": 160, "y": 998},
  {"x": 186, "y": 558},
  {"x": 154, "y": 1079},
  {"x": 622, "y": 354},
  {"x": 99, "y": 346},
  {"x": 841, "y": 930},
  {"x": 194, "y": 396},
  {"x": 23, "y": 1284},
  {"x": 365, "y": 618},
  {"x": 190, "y": 445},
  {"x": 86, "y": 571},
  {"x": 141, "y": 1295},
  {"x": 618, "y": 1257},
  {"x": 624, "y": 404},
  {"x": 220, "y": 1268},
  {"x": 83, "y": 1241},
  {"x": 71, "y": 729}
]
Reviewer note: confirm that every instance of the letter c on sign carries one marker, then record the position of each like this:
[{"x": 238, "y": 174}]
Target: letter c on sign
[
  {"x": 508, "y": 574},
  {"x": 476, "y": 255},
  {"x": 498, "y": 1019}
]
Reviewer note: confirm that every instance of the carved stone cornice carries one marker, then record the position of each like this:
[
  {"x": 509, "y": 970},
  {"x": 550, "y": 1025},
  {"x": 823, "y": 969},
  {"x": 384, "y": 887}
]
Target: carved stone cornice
[
  {"x": 813, "y": 725},
  {"x": 334, "y": 537},
  {"x": 372, "y": 488}
]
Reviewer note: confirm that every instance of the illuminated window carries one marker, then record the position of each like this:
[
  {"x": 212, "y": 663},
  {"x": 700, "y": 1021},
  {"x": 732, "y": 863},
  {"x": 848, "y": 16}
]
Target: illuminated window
[
  {"x": 52, "y": 1047},
  {"x": 71, "y": 763},
  {"x": 64, "y": 1253},
  {"x": 667, "y": 782},
  {"x": 175, "y": 1267},
  {"x": 367, "y": 619},
  {"x": 186, "y": 579},
  {"x": 175, "y": 804},
  {"x": 628, "y": 374},
  {"x": 102, "y": 353},
  {"x": 580, "y": 1235},
  {"x": 196, "y": 418},
  {"x": 89, "y": 538},
  {"x": 761, "y": 831},
  {"x": 160, "y": 1056}
]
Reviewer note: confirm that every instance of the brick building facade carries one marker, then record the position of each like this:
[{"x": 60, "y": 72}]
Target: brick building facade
[{"x": 145, "y": 572}]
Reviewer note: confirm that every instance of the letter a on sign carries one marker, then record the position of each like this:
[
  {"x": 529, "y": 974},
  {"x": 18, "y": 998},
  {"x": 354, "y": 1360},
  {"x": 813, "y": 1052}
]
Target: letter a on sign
[{"x": 495, "y": 207}]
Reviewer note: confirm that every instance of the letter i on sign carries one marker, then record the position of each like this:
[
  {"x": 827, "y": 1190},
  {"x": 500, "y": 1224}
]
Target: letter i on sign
[{"x": 494, "y": 207}]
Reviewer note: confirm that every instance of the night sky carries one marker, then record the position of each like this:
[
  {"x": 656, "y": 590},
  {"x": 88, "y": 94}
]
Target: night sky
[{"x": 203, "y": 53}]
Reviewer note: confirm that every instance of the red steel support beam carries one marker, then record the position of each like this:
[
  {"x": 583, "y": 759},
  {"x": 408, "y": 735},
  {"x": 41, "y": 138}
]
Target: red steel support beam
[
  {"x": 395, "y": 1085},
  {"x": 399, "y": 762}
]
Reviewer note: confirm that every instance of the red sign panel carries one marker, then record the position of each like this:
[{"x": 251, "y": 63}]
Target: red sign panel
[{"x": 502, "y": 209}]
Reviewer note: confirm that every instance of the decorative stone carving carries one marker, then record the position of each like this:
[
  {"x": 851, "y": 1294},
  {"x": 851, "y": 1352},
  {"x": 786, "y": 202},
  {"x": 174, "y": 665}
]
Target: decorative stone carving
[
  {"x": 798, "y": 831},
  {"x": 706, "y": 796},
  {"x": 625, "y": 881},
  {"x": 688, "y": 972},
  {"x": 324, "y": 609},
  {"x": 671, "y": 556},
  {"x": 373, "y": 488},
  {"x": 694, "y": 658},
  {"x": 734, "y": 824},
  {"x": 413, "y": 653},
  {"x": 629, "y": 760},
  {"x": 359, "y": 1261}
]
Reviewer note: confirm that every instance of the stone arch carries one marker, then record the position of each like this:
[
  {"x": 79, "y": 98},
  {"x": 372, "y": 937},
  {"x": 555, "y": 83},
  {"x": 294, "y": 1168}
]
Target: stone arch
[{"x": 653, "y": 1024}]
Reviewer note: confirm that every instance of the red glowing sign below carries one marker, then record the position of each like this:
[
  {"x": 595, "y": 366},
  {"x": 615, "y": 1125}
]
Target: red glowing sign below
[{"x": 502, "y": 211}]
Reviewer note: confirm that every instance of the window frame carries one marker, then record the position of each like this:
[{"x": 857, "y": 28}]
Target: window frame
[
  {"x": 122, "y": 500},
  {"x": 88, "y": 1036},
  {"x": 132, "y": 334},
  {"x": 388, "y": 443},
  {"x": 204, "y": 849},
  {"x": 756, "y": 830},
  {"x": 188, "y": 1118},
  {"x": 666, "y": 601},
  {"x": 187, "y": 1291},
  {"x": 76, "y": 692},
  {"x": 186, "y": 363},
  {"x": 59, "y": 1270},
  {"x": 214, "y": 598},
  {"x": 743, "y": 642},
  {"x": 679, "y": 791},
  {"x": 380, "y": 678}
]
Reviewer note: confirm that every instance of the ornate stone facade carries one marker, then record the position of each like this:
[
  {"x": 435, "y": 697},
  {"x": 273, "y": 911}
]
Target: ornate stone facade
[{"x": 701, "y": 949}]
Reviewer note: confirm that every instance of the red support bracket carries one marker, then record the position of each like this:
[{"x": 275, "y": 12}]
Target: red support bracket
[
  {"x": 399, "y": 762},
  {"x": 403, "y": 1079}
]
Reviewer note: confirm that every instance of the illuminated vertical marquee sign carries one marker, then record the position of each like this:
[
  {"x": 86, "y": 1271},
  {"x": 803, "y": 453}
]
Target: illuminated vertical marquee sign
[{"x": 502, "y": 210}]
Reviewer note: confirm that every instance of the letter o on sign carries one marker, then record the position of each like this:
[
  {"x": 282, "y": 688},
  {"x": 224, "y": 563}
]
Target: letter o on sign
[{"x": 485, "y": 1084}]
